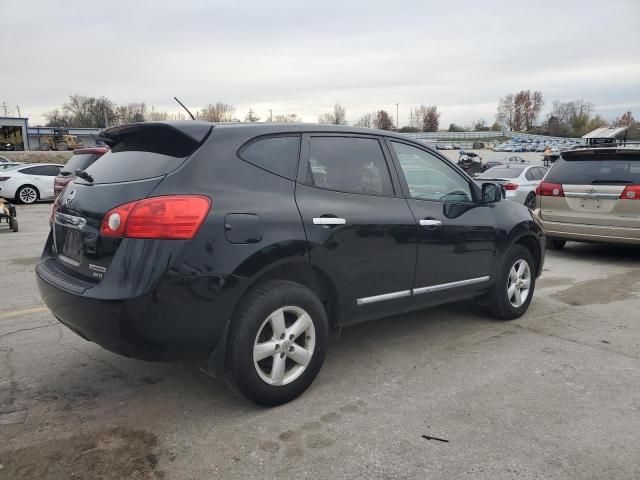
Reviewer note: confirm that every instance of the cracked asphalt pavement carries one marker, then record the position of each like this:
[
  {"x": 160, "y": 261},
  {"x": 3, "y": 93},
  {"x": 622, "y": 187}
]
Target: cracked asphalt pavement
[{"x": 553, "y": 395}]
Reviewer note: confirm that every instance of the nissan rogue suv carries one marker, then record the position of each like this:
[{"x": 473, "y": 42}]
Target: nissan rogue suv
[
  {"x": 592, "y": 195},
  {"x": 241, "y": 246}
]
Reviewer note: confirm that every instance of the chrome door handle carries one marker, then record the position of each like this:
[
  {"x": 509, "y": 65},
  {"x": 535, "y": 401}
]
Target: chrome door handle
[
  {"x": 430, "y": 223},
  {"x": 329, "y": 221}
]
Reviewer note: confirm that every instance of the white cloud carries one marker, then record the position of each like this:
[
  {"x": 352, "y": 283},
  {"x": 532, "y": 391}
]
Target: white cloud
[{"x": 301, "y": 57}]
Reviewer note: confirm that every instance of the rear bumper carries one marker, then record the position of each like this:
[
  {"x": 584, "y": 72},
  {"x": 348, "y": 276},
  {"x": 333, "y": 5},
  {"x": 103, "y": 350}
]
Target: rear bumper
[
  {"x": 182, "y": 318},
  {"x": 590, "y": 233}
]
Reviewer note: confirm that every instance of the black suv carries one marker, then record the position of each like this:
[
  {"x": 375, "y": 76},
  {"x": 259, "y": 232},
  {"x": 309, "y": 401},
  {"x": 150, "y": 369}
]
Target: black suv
[{"x": 242, "y": 245}]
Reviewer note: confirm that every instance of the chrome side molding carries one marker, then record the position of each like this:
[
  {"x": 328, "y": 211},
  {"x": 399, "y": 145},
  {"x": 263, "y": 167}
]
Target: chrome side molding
[
  {"x": 418, "y": 291},
  {"x": 384, "y": 296},
  {"x": 445, "y": 286}
]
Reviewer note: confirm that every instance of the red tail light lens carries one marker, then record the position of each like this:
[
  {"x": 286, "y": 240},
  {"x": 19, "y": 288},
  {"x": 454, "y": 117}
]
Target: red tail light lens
[
  {"x": 510, "y": 186},
  {"x": 171, "y": 217},
  {"x": 630, "y": 192},
  {"x": 546, "y": 189}
]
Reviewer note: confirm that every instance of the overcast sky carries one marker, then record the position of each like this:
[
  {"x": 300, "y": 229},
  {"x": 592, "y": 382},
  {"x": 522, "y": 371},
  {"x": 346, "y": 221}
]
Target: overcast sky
[{"x": 301, "y": 57}]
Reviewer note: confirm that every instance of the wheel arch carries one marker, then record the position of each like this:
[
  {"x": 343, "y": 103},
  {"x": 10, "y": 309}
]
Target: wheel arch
[
  {"x": 531, "y": 243},
  {"x": 27, "y": 185},
  {"x": 305, "y": 274}
]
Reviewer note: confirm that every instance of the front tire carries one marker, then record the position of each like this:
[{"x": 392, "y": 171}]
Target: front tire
[
  {"x": 27, "y": 194},
  {"x": 277, "y": 343},
  {"x": 513, "y": 291}
]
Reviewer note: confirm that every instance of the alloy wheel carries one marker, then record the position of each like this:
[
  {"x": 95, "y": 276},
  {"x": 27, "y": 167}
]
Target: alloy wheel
[
  {"x": 284, "y": 345},
  {"x": 519, "y": 283},
  {"x": 28, "y": 195}
]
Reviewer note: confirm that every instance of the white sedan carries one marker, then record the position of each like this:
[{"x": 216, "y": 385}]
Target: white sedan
[{"x": 30, "y": 182}]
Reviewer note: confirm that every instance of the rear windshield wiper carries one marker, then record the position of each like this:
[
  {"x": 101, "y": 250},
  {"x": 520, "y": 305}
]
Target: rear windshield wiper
[
  {"x": 84, "y": 175},
  {"x": 612, "y": 181}
]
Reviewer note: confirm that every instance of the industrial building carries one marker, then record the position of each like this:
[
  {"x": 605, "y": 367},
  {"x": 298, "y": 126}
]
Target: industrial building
[{"x": 16, "y": 134}]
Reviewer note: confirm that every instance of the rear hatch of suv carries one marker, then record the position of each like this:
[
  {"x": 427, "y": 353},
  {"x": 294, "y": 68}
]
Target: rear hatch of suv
[
  {"x": 599, "y": 187},
  {"x": 84, "y": 241}
]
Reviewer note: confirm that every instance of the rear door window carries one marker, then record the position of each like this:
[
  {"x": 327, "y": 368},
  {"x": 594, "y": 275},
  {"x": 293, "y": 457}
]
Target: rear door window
[
  {"x": 349, "y": 164},
  {"x": 44, "y": 170},
  {"x": 277, "y": 154}
]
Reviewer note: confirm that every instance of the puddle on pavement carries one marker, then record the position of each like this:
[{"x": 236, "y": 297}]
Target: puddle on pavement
[
  {"x": 113, "y": 454},
  {"x": 546, "y": 282},
  {"x": 601, "y": 291}
]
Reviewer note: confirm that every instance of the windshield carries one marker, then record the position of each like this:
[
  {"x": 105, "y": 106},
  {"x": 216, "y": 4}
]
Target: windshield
[
  {"x": 80, "y": 161},
  {"x": 583, "y": 172},
  {"x": 501, "y": 172}
]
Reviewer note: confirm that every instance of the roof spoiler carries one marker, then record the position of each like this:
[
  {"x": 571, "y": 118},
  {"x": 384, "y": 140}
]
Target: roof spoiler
[{"x": 177, "y": 139}]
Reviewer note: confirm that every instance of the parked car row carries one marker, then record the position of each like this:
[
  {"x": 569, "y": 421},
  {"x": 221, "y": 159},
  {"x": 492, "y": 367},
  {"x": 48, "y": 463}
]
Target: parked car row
[{"x": 536, "y": 144}]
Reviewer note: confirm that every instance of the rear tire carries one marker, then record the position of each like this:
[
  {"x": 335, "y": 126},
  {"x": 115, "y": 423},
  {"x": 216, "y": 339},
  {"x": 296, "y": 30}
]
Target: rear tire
[
  {"x": 530, "y": 201},
  {"x": 267, "y": 321},
  {"x": 555, "y": 243},
  {"x": 513, "y": 291}
]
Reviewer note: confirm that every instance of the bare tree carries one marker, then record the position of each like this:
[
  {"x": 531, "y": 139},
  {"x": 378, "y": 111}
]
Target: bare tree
[
  {"x": 131, "y": 112},
  {"x": 286, "y": 118},
  {"x": 251, "y": 116},
  {"x": 428, "y": 118},
  {"x": 504, "y": 115},
  {"x": 365, "y": 121},
  {"x": 520, "y": 111},
  {"x": 337, "y": 117},
  {"x": 625, "y": 120},
  {"x": 383, "y": 120},
  {"x": 55, "y": 118},
  {"x": 156, "y": 116},
  {"x": 218, "y": 112}
]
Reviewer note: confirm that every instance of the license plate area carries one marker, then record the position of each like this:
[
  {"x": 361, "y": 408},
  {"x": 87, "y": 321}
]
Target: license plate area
[
  {"x": 69, "y": 238},
  {"x": 72, "y": 246},
  {"x": 590, "y": 203}
]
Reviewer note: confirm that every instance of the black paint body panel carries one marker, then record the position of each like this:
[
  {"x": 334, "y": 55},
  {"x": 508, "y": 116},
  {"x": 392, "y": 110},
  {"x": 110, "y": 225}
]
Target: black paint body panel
[{"x": 164, "y": 299}]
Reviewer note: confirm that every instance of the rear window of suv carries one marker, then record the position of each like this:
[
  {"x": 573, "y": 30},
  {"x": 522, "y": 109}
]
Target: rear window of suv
[
  {"x": 144, "y": 151},
  {"x": 596, "y": 168},
  {"x": 80, "y": 161}
]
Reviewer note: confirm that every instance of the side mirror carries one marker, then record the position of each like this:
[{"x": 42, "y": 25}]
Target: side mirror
[{"x": 492, "y": 192}]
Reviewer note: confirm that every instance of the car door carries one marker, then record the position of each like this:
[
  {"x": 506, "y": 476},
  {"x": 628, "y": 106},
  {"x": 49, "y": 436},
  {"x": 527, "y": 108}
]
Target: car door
[
  {"x": 39, "y": 177},
  {"x": 46, "y": 179},
  {"x": 457, "y": 235},
  {"x": 360, "y": 230}
]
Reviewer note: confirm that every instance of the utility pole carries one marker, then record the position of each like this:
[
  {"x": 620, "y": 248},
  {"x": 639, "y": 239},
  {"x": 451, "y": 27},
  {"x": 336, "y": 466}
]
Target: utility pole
[
  {"x": 397, "y": 117},
  {"x": 4, "y": 105},
  {"x": 18, "y": 108},
  {"x": 270, "y": 115}
]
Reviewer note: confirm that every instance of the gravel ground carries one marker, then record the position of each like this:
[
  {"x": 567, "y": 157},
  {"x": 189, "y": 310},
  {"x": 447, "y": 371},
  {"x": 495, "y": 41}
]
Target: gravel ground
[{"x": 444, "y": 393}]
